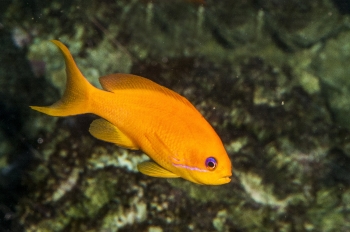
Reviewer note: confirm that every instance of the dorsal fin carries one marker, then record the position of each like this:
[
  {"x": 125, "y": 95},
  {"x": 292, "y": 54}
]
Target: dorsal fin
[{"x": 118, "y": 81}]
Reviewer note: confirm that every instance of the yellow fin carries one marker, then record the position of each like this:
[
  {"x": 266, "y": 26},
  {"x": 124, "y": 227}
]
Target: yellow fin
[
  {"x": 119, "y": 81},
  {"x": 106, "y": 131},
  {"x": 150, "y": 168},
  {"x": 75, "y": 99}
]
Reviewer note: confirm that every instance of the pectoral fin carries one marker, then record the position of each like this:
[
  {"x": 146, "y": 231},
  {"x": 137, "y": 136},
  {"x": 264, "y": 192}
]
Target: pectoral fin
[
  {"x": 152, "y": 169},
  {"x": 159, "y": 146},
  {"x": 106, "y": 131}
]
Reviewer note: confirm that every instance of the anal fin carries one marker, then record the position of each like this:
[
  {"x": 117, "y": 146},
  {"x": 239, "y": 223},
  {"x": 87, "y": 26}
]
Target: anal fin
[
  {"x": 150, "y": 168},
  {"x": 106, "y": 131}
]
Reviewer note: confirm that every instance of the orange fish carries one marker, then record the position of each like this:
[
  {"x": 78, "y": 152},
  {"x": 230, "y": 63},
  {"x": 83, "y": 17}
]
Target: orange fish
[{"x": 137, "y": 113}]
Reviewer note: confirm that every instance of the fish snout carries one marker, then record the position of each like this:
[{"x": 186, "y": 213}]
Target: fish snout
[{"x": 226, "y": 178}]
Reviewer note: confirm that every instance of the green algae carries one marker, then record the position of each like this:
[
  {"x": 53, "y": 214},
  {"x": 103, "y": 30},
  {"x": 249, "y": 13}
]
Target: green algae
[
  {"x": 99, "y": 191},
  {"x": 332, "y": 68},
  {"x": 56, "y": 224}
]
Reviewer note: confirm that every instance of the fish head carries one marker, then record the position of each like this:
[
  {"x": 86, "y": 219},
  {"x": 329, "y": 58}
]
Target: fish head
[{"x": 207, "y": 169}]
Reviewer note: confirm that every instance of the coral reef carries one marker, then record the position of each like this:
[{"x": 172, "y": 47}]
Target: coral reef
[{"x": 270, "y": 76}]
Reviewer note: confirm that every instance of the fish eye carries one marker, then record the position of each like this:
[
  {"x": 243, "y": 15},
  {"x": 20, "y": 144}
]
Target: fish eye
[{"x": 211, "y": 163}]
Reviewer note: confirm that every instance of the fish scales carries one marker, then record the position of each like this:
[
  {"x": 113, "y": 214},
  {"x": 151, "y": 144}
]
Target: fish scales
[{"x": 137, "y": 113}]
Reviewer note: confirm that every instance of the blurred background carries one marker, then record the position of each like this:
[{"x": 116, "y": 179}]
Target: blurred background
[{"x": 271, "y": 76}]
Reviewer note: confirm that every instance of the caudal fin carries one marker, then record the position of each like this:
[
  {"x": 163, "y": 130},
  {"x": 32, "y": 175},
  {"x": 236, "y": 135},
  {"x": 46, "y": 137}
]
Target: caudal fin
[{"x": 75, "y": 99}]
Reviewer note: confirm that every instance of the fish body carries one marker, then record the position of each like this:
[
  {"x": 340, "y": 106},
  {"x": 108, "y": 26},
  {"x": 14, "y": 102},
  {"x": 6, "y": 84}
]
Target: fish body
[{"x": 136, "y": 113}]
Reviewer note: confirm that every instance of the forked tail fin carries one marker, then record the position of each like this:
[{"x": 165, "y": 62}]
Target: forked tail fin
[{"x": 76, "y": 97}]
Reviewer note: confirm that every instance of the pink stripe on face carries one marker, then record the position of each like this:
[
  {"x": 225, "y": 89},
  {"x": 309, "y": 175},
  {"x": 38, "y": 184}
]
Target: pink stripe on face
[{"x": 189, "y": 167}]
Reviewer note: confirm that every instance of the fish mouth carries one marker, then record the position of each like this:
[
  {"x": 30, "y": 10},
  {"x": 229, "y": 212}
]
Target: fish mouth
[{"x": 226, "y": 179}]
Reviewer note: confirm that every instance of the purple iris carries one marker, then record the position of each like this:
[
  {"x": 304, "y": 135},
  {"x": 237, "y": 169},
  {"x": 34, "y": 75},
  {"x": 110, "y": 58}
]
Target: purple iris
[{"x": 211, "y": 163}]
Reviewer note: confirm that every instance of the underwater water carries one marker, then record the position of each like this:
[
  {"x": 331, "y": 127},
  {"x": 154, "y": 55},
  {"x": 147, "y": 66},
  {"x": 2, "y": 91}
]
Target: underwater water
[{"x": 272, "y": 77}]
